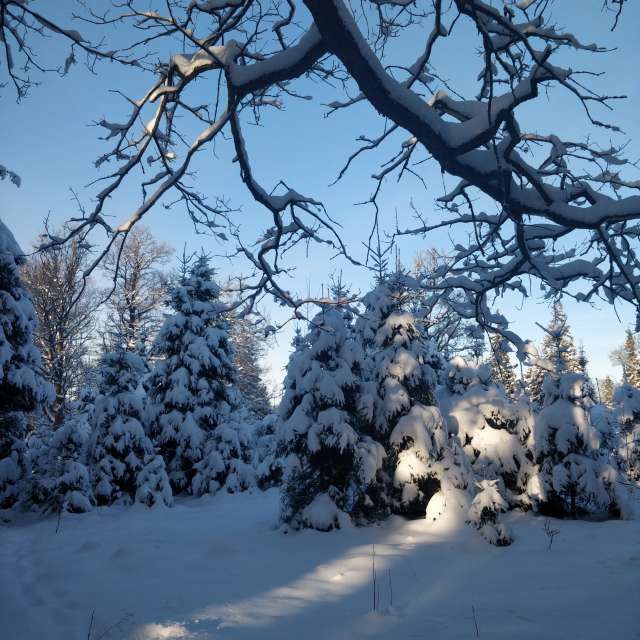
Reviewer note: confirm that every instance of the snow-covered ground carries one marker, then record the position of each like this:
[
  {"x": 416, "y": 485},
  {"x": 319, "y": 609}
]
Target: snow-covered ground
[{"x": 217, "y": 568}]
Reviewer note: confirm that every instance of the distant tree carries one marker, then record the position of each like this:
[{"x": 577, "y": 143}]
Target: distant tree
[
  {"x": 140, "y": 287},
  {"x": 502, "y": 369},
  {"x": 606, "y": 387},
  {"x": 630, "y": 360},
  {"x": 249, "y": 345},
  {"x": 66, "y": 308},
  {"x": 582, "y": 366},
  {"x": 22, "y": 386},
  {"x": 558, "y": 349}
]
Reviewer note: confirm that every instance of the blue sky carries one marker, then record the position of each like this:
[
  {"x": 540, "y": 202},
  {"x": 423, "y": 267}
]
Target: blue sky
[{"x": 48, "y": 139}]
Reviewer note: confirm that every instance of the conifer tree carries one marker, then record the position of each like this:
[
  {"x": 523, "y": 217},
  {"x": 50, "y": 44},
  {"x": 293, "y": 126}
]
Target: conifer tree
[
  {"x": 22, "y": 387},
  {"x": 492, "y": 428},
  {"x": 582, "y": 366},
  {"x": 626, "y": 402},
  {"x": 249, "y": 348},
  {"x": 191, "y": 386},
  {"x": 631, "y": 362},
  {"x": 328, "y": 463},
  {"x": 402, "y": 372},
  {"x": 606, "y": 387},
  {"x": 60, "y": 479},
  {"x": 558, "y": 350},
  {"x": 122, "y": 454},
  {"x": 573, "y": 476},
  {"x": 502, "y": 369}
]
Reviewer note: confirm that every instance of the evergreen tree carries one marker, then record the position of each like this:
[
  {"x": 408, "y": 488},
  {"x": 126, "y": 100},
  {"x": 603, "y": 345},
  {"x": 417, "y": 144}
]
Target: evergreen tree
[
  {"x": 582, "y": 366},
  {"x": 402, "y": 373},
  {"x": 606, "y": 387},
  {"x": 60, "y": 480},
  {"x": 631, "y": 362},
  {"x": 557, "y": 349},
  {"x": 249, "y": 348},
  {"x": 122, "y": 453},
  {"x": 627, "y": 411},
  {"x": 328, "y": 463},
  {"x": 502, "y": 370},
  {"x": 492, "y": 428},
  {"x": 573, "y": 476},
  {"x": 22, "y": 388},
  {"x": 191, "y": 386}
]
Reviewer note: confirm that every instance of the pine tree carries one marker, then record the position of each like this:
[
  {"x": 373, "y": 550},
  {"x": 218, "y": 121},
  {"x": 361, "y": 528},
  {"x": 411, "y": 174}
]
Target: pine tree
[
  {"x": 328, "y": 463},
  {"x": 573, "y": 476},
  {"x": 502, "y": 370},
  {"x": 122, "y": 453},
  {"x": 191, "y": 386},
  {"x": 249, "y": 348},
  {"x": 22, "y": 387},
  {"x": 402, "y": 373},
  {"x": 557, "y": 349}
]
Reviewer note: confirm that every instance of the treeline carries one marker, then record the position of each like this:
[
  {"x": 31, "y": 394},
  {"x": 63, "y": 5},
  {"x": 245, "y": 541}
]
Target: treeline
[{"x": 390, "y": 405}]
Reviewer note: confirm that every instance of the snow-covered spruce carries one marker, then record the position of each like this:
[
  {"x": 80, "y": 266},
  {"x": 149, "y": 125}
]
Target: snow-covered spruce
[
  {"x": 485, "y": 511},
  {"x": 191, "y": 389},
  {"x": 328, "y": 463},
  {"x": 60, "y": 480},
  {"x": 399, "y": 400},
  {"x": 22, "y": 388},
  {"x": 558, "y": 352},
  {"x": 122, "y": 457},
  {"x": 492, "y": 428},
  {"x": 266, "y": 460},
  {"x": 573, "y": 476},
  {"x": 502, "y": 369},
  {"x": 627, "y": 412}
]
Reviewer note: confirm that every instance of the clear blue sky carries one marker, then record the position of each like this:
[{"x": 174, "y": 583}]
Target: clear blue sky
[{"x": 48, "y": 140}]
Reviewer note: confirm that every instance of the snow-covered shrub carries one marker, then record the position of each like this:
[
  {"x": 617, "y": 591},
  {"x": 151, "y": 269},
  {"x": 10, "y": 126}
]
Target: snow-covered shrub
[
  {"x": 573, "y": 476},
  {"x": 400, "y": 404},
  {"x": 22, "y": 388},
  {"x": 191, "y": 386},
  {"x": 152, "y": 485},
  {"x": 121, "y": 447},
  {"x": 626, "y": 401},
  {"x": 484, "y": 513},
  {"x": 491, "y": 428},
  {"x": 326, "y": 458}
]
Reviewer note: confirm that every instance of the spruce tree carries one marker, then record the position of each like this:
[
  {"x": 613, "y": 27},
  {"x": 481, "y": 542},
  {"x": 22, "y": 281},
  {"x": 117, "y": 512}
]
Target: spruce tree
[
  {"x": 626, "y": 402},
  {"x": 22, "y": 387},
  {"x": 492, "y": 428},
  {"x": 631, "y": 363},
  {"x": 60, "y": 479},
  {"x": 606, "y": 388},
  {"x": 191, "y": 386},
  {"x": 502, "y": 369},
  {"x": 558, "y": 350},
  {"x": 574, "y": 477},
  {"x": 402, "y": 373},
  {"x": 122, "y": 456},
  {"x": 582, "y": 366},
  {"x": 328, "y": 463}
]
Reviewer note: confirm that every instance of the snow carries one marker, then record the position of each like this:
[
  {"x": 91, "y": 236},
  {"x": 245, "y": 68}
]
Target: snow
[{"x": 217, "y": 567}]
